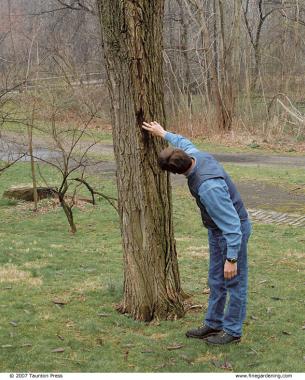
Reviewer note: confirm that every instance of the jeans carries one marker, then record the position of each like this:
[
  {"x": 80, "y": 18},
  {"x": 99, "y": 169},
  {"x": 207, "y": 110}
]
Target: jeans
[{"x": 230, "y": 319}]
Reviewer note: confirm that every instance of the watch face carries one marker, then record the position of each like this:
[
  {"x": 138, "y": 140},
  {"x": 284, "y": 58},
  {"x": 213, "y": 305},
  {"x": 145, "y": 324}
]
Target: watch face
[{"x": 232, "y": 260}]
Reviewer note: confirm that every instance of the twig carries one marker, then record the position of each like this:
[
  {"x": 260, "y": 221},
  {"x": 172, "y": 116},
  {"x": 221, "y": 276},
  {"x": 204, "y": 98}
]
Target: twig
[{"x": 12, "y": 163}]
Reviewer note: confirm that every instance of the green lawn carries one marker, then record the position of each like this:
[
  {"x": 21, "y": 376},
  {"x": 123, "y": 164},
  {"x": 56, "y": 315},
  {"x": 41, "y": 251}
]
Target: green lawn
[
  {"x": 41, "y": 262},
  {"x": 288, "y": 177}
]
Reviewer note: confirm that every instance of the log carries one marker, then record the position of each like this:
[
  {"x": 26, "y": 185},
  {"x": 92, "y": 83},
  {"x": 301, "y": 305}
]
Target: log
[{"x": 26, "y": 193}]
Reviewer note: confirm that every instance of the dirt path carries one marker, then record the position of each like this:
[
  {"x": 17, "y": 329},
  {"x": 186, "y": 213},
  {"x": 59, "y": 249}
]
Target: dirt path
[{"x": 256, "y": 159}]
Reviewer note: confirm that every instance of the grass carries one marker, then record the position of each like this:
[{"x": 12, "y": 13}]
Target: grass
[
  {"x": 42, "y": 128},
  {"x": 283, "y": 176},
  {"x": 41, "y": 262}
]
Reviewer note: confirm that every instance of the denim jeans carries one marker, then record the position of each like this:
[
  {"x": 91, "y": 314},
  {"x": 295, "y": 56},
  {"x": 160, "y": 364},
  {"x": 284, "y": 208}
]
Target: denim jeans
[{"x": 231, "y": 318}]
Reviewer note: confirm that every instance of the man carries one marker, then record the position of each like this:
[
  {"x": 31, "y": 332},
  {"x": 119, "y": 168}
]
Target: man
[{"x": 224, "y": 215}]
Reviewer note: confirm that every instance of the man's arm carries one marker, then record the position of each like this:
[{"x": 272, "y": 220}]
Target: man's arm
[
  {"x": 176, "y": 140},
  {"x": 215, "y": 196}
]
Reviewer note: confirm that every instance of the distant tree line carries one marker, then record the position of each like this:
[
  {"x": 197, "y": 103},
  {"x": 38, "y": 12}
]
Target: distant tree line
[{"x": 227, "y": 63}]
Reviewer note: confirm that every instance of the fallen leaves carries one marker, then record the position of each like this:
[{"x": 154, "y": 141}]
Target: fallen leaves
[
  {"x": 100, "y": 341},
  {"x": 103, "y": 315},
  {"x": 208, "y": 357},
  {"x": 269, "y": 310},
  {"x": 193, "y": 307},
  {"x": 58, "y": 350},
  {"x": 24, "y": 345},
  {"x": 169, "y": 363},
  {"x": 186, "y": 359},
  {"x": 70, "y": 324},
  {"x": 223, "y": 365},
  {"x": 253, "y": 351},
  {"x": 158, "y": 336},
  {"x": 174, "y": 347},
  {"x": 262, "y": 282},
  {"x": 59, "y": 302}
]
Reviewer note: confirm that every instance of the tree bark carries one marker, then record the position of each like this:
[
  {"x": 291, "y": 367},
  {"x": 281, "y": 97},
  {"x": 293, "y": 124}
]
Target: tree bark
[
  {"x": 33, "y": 171},
  {"x": 186, "y": 70},
  {"x": 132, "y": 38},
  {"x": 68, "y": 212},
  {"x": 214, "y": 83}
]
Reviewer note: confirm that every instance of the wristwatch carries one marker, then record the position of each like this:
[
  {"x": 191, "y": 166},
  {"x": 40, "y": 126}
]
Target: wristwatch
[{"x": 233, "y": 261}]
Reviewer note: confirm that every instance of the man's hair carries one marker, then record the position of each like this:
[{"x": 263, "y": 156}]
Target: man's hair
[{"x": 174, "y": 160}]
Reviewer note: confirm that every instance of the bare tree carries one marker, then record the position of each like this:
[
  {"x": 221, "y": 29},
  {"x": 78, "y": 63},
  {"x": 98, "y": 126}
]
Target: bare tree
[
  {"x": 255, "y": 32},
  {"x": 69, "y": 155}
]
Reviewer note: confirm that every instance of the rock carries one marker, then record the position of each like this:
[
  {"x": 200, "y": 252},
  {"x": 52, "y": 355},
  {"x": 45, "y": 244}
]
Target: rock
[{"x": 26, "y": 193}]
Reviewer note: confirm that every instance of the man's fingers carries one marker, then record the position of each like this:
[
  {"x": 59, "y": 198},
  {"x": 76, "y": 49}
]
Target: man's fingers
[
  {"x": 147, "y": 126},
  {"x": 152, "y": 124},
  {"x": 154, "y": 128},
  {"x": 229, "y": 275}
]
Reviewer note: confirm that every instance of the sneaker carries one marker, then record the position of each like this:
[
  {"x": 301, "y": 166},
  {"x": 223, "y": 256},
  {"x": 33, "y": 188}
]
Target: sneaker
[
  {"x": 201, "y": 332},
  {"x": 223, "y": 338}
]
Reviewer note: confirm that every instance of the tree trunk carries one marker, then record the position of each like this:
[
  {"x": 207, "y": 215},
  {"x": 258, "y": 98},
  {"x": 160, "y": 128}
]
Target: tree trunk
[
  {"x": 33, "y": 171},
  {"x": 68, "y": 211},
  {"x": 214, "y": 84},
  {"x": 230, "y": 61},
  {"x": 172, "y": 63},
  {"x": 132, "y": 38},
  {"x": 186, "y": 70}
]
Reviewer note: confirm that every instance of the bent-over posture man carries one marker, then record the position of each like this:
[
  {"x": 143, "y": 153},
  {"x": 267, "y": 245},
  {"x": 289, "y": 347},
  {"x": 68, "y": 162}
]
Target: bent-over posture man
[{"x": 224, "y": 215}]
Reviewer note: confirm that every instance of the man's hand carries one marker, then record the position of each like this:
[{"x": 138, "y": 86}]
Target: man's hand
[
  {"x": 230, "y": 270},
  {"x": 154, "y": 128}
]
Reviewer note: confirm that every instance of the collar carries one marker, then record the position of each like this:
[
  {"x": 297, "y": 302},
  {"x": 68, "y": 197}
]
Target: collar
[{"x": 188, "y": 173}]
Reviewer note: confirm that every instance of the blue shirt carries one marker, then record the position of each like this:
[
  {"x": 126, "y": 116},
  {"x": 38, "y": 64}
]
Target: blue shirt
[{"x": 215, "y": 197}]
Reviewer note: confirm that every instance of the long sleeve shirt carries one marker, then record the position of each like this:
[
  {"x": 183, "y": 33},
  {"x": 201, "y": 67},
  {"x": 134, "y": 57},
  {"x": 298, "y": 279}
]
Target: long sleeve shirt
[{"x": 215, "y": 197}]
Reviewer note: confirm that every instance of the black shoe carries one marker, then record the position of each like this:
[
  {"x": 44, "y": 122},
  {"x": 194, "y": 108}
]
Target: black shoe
[
  {"x": 201, "y": 332},
  {"x": 223, "y": 338}
]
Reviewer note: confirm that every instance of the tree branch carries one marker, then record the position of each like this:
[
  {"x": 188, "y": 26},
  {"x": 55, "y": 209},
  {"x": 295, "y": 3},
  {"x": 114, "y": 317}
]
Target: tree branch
[
  {"x": 94, "y": 192},
  {"x": 12, "y": 163}
]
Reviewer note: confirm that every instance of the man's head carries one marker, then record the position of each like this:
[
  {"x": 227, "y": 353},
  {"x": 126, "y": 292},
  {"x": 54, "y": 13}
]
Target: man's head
[{"x": 174, "y": 160}]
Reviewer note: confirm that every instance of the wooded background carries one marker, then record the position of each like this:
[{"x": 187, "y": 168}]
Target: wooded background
[{"x": 234, "y": 64}]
